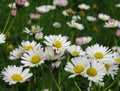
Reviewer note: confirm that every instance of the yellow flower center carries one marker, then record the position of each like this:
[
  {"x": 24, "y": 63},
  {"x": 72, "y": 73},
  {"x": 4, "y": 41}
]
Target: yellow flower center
[
  {"x": 112, "y": 25},
  {"x": 75, "y": 53},
  {"x": 74, "y": 25},
  {"x": 27, "y": 48},
  {"x": 92, "y": 71},
  {"x": 98, "y": 55},
  {"x": 117, "y": 60},
  {"x": 107, "y": 66},
  {"x": 66, "y": 14},
  {"x": 70, "y": 10},
  {"x": 82, "y": 13},
  {"x": 33, "y": 29},
  {"x": 10, "y": 47},
  {"x": 78, "y": 69},
  {"x": 94, "y": 6},
  {"x": 35, "y": 59},
  {"x": 17, "y": 77},
  {"x": 104, "y": 18},
  {"x": 57, "y": 44}
]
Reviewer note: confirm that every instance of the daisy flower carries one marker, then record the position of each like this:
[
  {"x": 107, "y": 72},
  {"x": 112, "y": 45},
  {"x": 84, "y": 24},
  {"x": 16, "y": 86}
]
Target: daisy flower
[
  {"x": 75, "y": 25},
  {"x": 77, "y": 66},
  {"x": 51, "y": 54},
  {"x": 45, "y": 8},
  {"x": 116, "y": 57},
  {"x": 34, "y": 16},
  {"x": 117, "y": 5},
  {"x": 99, "y": 52},
  {"x": 83, "y": 40},
  {"x": 33, "y": 57},
  {"x": 75, "y": 50},
  {"x": 27, "y": 45},
  {"x": 62, "y": 3},
  {"x": 14, "y": 74},
  {"x": 111, "y": 69},
  {"x": 116, "y": 48},
  {"x": 34, "y": 29},
  {"x": 76, "y": 17},
  {"x": 2, "y": 38},
  {"x": 111, "y": 23},
  {"x": 84, "y": 6},
  {"x": 57, "y": 42},
  {"x": 65, "y": 13},
  {"x": 91, "y": 18},
  {"x": 57, "y": 24},
  {"x": 16, "y": 54},
  {"x": 96, "y": 72},
  {"x": 103, "y": 17},
  {"x": 56, "y": 64},
  {"x": 12, "y": 5}
]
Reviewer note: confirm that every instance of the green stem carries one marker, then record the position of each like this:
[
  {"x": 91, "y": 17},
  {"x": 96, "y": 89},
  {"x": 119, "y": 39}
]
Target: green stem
[
  {"x": 54, "y": 79},
  {"x": 77, "y": 86},
  {"x": 11, "y": 24},
  {"x": 116, "y": 79},
  {"x": 72, "y": 36},
  {"x": 7, "y": 22},
  {"x": 59, "y": 77}
]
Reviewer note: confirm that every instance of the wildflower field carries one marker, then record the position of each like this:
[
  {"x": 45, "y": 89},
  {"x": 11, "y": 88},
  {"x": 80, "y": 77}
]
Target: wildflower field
[{"x": 59, "y": 45}]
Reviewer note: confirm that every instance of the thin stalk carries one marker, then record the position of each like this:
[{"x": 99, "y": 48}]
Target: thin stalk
[
  {"x": 72, "y": 36},
  {"x": 77, "y": 86},
  {"x": 54, "y": 80},
  {"x": 6, "y": 22},
  {"x": 116, "y": 79},
  {"x": 11, "y": 24}
]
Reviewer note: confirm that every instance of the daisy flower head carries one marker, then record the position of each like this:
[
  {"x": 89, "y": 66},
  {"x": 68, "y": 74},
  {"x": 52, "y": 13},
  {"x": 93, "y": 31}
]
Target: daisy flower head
[
  {"x": 34, "y": 16},
  {"x": 45, "y": 8},
  {"x": 56, "y": 24},
  {"x": 24, "y": 3},
  {"x": 73, "y": 24},
  {"x": 61, "y": 3},
  {"x": 99, "y": 52},
  {"x": 34, "y": 29},
  {"x": 84, "y": 6},
  {"x": 27, "y": 45},
  {"x": 12, "y": 5},
  {"x": 91, "y": 18},
  {"x": 14, "y": 74},
  {"x": 117, "y": 5},
  {"x": 76, "y": 17},
  {"x": 33, "y": 57},
  {"x": 65, "y": 13},
  {"x": 83, "y": 40},
  {"x": 116, "y": 57},
  {"x": 103, "y": 17},
  {"x": 57, "y": 41},
  {"x": 16, "y": 54},
  {"x": 77, "y": 66},
  {"x": 111, "y": 23},
  {"x": 111, "y": 69},
  {"x": 75, "y": 50},
  {"x": 49, "y": 53},
  {"x": 96, "y": 72},
  {"x": 56, "y": 64},
  {"x": 2, "y": 38},
  {"x": 116, "y": 48}
]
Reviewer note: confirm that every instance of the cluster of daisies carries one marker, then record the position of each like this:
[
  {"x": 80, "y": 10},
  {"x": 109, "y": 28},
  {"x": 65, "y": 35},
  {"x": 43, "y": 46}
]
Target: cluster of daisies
[{"x": 94, "y": 62}]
